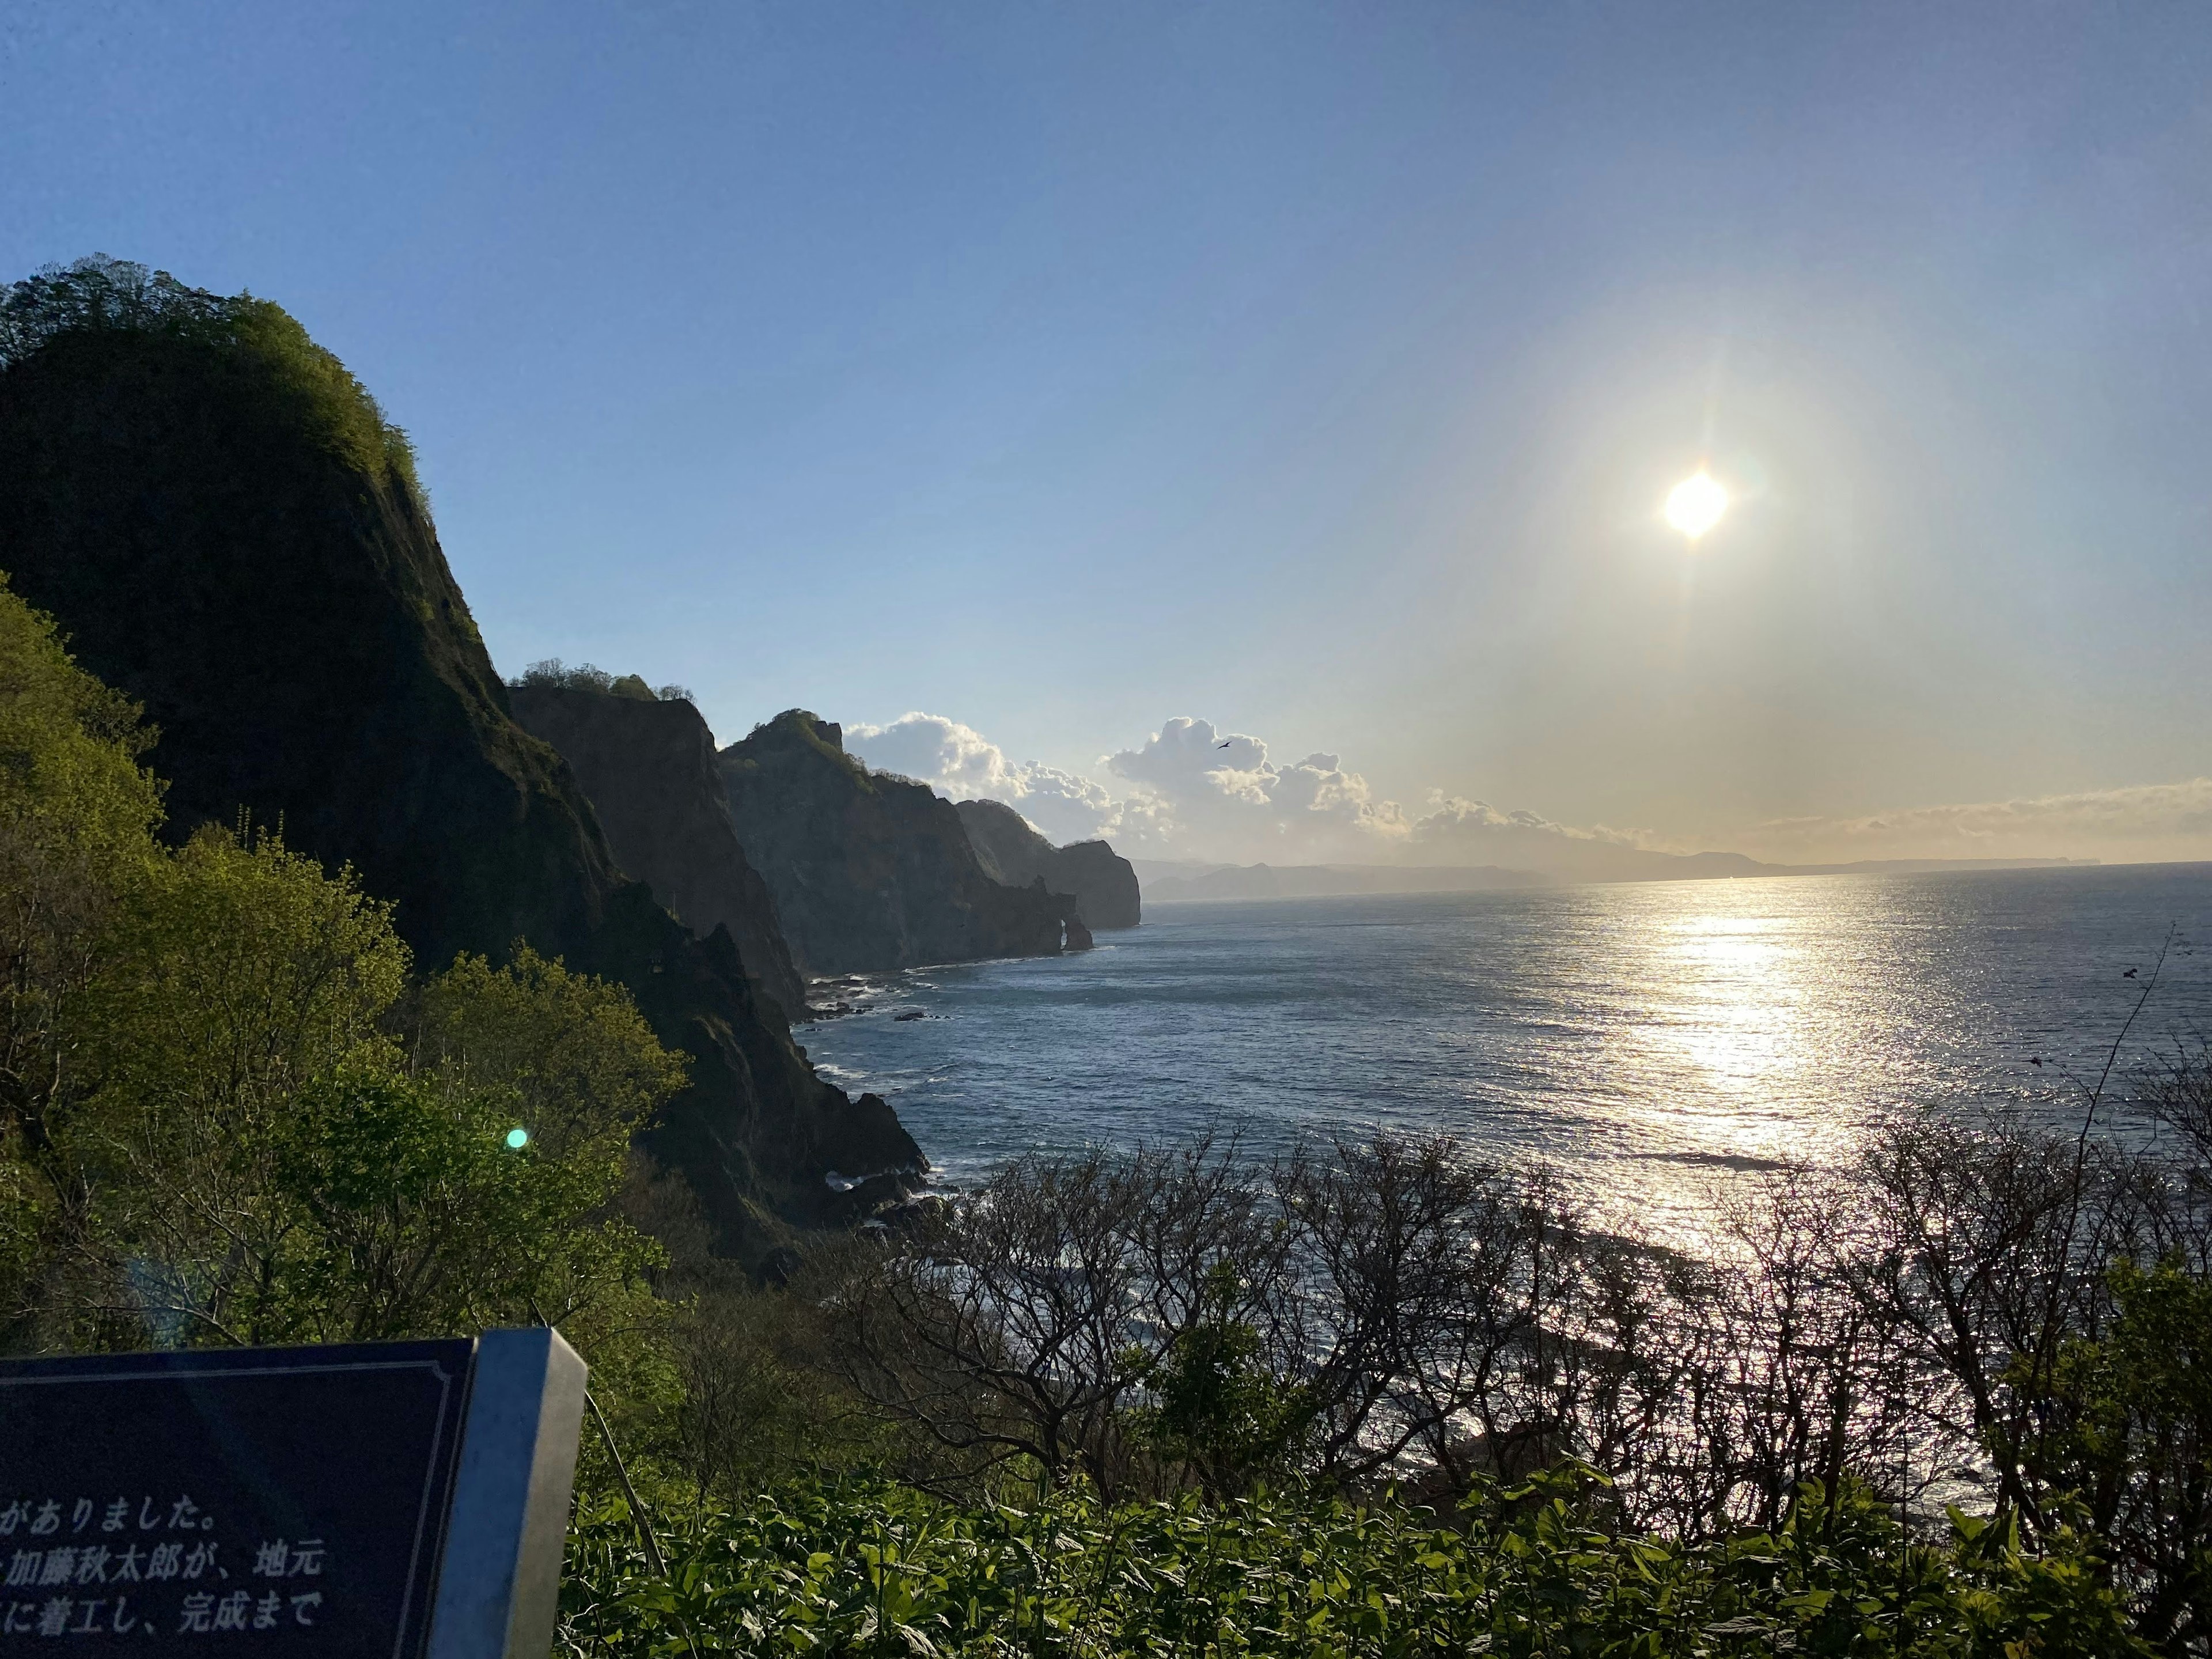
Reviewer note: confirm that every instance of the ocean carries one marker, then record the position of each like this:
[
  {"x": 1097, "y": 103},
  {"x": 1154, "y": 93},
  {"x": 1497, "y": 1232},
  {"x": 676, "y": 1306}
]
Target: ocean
[{"x": 1656, "y": 1041}]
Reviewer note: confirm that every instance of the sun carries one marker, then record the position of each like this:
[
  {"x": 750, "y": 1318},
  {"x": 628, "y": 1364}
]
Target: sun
[{"x": 1695, "y": 505}]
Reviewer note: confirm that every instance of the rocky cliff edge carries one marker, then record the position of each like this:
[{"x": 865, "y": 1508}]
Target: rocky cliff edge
[
  {"x": 1101, "y": 882},
  {"x": 872, "y": 872},
  {"x": 222, "y": 521}
]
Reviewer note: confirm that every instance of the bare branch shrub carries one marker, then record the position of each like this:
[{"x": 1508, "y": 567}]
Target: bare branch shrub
[{"x": 1013, "y": 1325}]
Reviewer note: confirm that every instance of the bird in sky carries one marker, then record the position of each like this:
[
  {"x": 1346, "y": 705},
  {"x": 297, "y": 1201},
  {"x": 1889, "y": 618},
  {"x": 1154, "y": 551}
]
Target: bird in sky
[
  {"x": 1224, "y": 745},
  {"x": 2130, "y": 974}
]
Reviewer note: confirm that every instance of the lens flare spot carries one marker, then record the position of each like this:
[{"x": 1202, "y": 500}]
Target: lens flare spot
[{"x": 517, "y": 1139}]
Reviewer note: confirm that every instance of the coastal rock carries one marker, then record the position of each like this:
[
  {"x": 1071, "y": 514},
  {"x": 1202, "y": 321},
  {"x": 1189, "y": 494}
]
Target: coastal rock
[
  {"x": 1102, "y": 883},
  {"x": 871, "y": 872},
  {"x": 647, "y": 767},
  {"x": 225, "y": 528}
]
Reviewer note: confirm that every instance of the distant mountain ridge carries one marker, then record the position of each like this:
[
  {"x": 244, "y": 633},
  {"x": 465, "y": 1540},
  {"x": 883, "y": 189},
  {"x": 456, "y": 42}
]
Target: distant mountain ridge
[
  {"x": 1099, "y": 880},
  {"x": 1166, "y": 882}
]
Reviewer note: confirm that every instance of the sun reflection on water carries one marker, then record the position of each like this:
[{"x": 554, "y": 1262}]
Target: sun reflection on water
[{"x": 1657, "y": 1042}]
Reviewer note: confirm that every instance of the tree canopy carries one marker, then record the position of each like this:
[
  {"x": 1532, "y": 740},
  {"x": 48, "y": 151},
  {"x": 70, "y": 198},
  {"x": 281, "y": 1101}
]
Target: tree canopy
[
  {"x": 229, "y": 1113},
  {"x": 99, "y": 296}
]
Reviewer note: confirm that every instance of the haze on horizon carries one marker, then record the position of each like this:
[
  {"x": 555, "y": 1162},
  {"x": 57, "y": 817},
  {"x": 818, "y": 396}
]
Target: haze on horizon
[{"x": 1243, "y": 430}]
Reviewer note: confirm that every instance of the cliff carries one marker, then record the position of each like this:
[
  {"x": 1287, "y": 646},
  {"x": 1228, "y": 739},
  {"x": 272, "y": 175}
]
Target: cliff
[
  {"x": 648, "y": 768},
  {"x": 224, "y": 524},
  {"x": 872, "y": 872},
  {"x": 1101, "y": 882}
]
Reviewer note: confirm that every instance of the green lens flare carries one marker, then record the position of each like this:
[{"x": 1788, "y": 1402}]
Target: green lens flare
[{"x": 517, "y": 1139}]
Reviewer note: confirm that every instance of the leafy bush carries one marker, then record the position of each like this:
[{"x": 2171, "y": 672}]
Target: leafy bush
[
  {"x": 869, "y": 1568},
  {"x": 227, "y": 1118}
]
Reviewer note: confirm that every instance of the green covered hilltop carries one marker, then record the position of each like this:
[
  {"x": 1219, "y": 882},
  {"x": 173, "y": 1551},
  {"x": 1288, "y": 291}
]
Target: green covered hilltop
[{"x": 355, "y": 993}]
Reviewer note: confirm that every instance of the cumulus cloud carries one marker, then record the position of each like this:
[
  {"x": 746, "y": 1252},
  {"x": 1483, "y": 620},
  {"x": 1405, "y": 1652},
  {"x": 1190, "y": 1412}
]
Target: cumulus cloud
[
  {"x": 2145, "y": 822},
  {"x": 961, "y": 763},
  {"x": 957, "y": 760},
  {"x": 1226, "y": 800},
  {"x": 1189, "y": 791}
]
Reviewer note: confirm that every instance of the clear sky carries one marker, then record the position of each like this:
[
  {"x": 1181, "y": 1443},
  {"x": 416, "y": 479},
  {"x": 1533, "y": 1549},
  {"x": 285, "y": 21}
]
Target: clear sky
[{"x": 1315, "y": 372}]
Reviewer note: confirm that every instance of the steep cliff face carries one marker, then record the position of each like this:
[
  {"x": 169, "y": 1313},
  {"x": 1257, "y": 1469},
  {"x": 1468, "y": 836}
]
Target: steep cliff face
[
  {"x": 872, "y": 872},
  {"x": 220, "y": 522},
  {"x": 648, "y": 768},
  {"x": 1100, "y": 881}
]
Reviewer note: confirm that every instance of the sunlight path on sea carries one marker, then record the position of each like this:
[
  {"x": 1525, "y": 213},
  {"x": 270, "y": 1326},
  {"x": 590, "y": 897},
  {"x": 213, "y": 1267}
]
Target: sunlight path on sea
[{"x": 1655, "y": 1040}]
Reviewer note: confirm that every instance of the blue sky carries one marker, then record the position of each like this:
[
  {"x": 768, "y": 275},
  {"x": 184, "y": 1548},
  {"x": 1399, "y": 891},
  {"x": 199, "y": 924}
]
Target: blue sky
[{"x": 1313, "y": 371}]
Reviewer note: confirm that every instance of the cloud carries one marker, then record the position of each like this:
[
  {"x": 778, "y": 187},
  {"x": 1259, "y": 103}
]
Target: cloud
[
  {"x": 1226, "y": 800},
  {"x": 1190, "y": 791},
  {"x": 956, "y": 759},
  {"x": 2144, "y": 823},
  {"x": 961, "y": 763},
  {"x": 1455, "y": 830}
]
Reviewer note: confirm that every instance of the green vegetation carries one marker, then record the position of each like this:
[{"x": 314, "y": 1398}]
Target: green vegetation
[
  {"x": 99, "y": 296},
  {"x": 589, "y": 676},
  {"x": 862, "y": 1568},
  {"x": 801, "y": 728},
  {"x": 1373, "y": 1397},
  {"x": 230, "y": 1117}
]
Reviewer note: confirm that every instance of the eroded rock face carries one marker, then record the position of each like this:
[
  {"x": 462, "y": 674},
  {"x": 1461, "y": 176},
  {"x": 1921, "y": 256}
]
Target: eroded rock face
[
  {"x": 191, "y": 510},
  {"x": 648, "y": 768},
  {"x": 1101, "y": 882},
  {"x": 870, "y": 872}
]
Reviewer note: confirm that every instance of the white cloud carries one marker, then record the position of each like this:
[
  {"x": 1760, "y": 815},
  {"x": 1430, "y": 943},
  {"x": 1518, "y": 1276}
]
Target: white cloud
[
  {"x": 961, "y": 763},
  {"x": 2145, "y": 822},
  {"x": 957, "y": 760},
  {"x": 1191, "y": 791},
  {"x": 1227, "y": 800},
  {"x": 1460, "y": 831}
]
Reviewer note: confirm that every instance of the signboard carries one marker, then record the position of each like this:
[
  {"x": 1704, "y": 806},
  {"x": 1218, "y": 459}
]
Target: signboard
[{"x": 283, "y": 1502}]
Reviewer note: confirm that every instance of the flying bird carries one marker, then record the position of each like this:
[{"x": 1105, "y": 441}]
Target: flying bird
[
  {"x": 2038, "y": 1060},
  {"x": 2130, "y": 974},
  {"x": 1224, "y": 745}
]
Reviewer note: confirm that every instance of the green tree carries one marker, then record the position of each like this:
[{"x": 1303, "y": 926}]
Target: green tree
[
  {"x": 2137, "y": 1404},
  {"x": 274, "y": 1162},
  {"x": 237, "y": 975},
  {"x": 414, "y": 1215},
  {"x": 579, "y": 1059},
  {"x": 77, "y": 812},
  {"x": 215, "y": 1124},
  {"x": 1216, "y": 1404},
  {"x": 98, "y": 295}
]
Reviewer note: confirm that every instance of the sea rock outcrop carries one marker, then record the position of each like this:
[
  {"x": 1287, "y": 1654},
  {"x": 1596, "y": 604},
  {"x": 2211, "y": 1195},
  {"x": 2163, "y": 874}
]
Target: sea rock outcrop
[
  {"x": 1101, "y": 881},
  {"x": 872, "y": 872},
  {"x": 228, "y": 530},
  {"x": 648, "y": 768}
]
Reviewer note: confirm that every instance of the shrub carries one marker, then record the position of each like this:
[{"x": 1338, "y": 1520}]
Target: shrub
[{"x": 866, "y": 1568}]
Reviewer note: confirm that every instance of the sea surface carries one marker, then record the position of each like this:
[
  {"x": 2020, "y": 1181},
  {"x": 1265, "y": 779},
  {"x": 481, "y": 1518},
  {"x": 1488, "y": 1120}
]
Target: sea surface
[{"x": 1658, "y": 1041}]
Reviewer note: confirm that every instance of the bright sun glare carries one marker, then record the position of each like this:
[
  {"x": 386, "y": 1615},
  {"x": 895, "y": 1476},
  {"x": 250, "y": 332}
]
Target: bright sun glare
[{"x": 1695, "y": 505}]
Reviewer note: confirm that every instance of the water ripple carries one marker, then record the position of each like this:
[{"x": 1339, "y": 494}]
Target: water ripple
[{"x": 1652, "y": 1038}]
